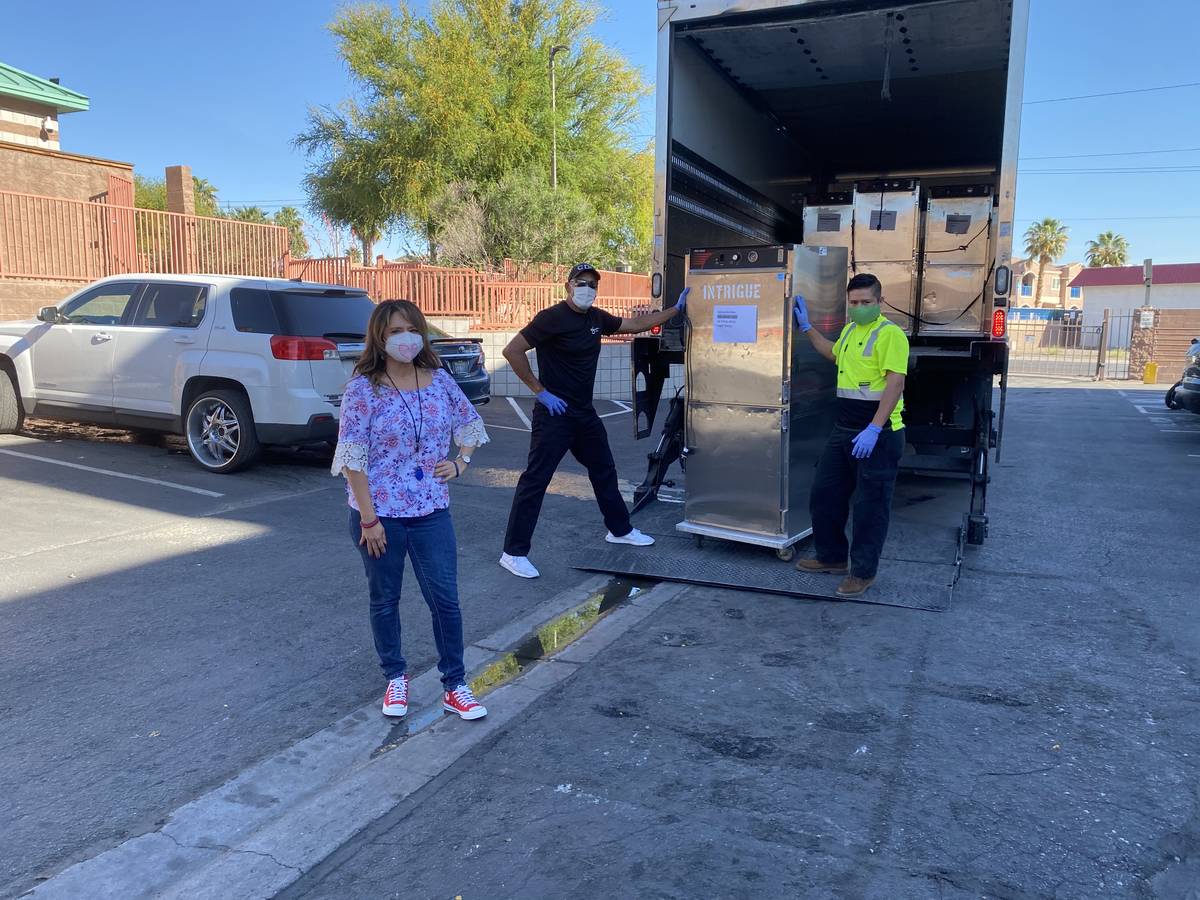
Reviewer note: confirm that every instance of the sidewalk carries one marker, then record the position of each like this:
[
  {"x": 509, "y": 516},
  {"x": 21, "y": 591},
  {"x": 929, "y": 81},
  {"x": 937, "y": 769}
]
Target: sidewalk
[{"x": 1036, "y": 740}]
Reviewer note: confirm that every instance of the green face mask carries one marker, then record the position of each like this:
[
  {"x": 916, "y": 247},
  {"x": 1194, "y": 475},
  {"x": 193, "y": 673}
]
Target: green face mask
[{"x": 864, "y": 315}]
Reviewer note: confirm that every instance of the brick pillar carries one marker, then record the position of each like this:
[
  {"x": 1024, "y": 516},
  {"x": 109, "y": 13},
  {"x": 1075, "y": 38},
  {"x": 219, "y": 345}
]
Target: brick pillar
[
  {"x": 1141, "y": 344},
  {"x": 181, "y": 194},
  {"x": 181, "y": 198}
]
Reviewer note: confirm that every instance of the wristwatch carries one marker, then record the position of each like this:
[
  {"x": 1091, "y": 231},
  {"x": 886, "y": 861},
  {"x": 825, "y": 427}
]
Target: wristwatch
[{"x": 465, "y": 458}]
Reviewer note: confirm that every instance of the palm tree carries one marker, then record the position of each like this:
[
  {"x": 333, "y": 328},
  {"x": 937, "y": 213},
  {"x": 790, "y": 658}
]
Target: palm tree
[
  {"x": 1045, "y": 241},
  {"x": 1108, "y": 249},
  {"x": 206, "y": 196}
]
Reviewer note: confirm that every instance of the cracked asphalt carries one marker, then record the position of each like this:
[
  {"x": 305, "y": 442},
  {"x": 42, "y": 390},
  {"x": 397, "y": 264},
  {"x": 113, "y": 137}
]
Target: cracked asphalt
[{"x": 1037, "y": 740}]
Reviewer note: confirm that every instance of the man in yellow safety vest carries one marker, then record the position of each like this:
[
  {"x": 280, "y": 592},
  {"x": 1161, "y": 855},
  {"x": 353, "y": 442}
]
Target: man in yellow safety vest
[{"x": 862, "y": 455}]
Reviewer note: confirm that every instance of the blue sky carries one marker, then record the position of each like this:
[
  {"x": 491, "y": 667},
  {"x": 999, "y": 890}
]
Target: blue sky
[{"x": 225, "y": 87}]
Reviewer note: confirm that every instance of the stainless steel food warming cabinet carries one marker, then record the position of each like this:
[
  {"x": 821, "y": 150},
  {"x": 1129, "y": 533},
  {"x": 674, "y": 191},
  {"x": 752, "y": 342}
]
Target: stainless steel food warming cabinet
[{"x": 760, "y": 400}]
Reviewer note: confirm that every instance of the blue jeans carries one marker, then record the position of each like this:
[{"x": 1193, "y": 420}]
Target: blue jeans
[
  {"x": 430, "y": 543},
  {"x": 870, "y": 483}
]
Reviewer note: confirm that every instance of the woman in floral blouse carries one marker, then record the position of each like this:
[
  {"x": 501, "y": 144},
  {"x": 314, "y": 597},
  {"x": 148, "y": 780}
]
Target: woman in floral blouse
[{"x": 399, "y": 413}]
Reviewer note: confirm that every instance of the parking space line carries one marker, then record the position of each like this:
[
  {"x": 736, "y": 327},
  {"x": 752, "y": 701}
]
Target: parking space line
[
  {"x": 142, "y": 478},
  {"x": 520, "y": 413},
  {"x": 508, "y": 427}
]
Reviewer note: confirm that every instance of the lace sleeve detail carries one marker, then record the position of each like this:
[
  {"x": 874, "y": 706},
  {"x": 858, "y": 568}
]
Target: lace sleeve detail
[
  {"x": 349, "y": 455},
  {"x": 471, "y": 434}
]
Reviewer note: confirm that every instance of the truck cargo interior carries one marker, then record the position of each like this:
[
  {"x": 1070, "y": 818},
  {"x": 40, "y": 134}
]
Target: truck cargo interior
[{"x": 769, "y": 109}]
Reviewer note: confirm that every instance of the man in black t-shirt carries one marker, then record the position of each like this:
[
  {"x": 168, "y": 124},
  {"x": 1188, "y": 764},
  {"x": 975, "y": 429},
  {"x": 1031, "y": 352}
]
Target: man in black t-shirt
[{"x": 567, "y": 338}]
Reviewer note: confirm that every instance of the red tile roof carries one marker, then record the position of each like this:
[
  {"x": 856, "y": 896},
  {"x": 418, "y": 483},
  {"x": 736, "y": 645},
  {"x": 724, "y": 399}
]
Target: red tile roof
[{"x": 1120, "y": 276}]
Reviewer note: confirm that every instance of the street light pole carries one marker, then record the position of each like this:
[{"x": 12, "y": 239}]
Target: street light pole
[{"x": 554, "y": 51}]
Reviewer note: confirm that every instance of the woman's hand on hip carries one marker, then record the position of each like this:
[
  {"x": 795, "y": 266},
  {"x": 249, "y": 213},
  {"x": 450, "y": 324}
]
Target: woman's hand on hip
[
  {"x": 375, "y": 539},
  {"x": 448, "y": 470}
]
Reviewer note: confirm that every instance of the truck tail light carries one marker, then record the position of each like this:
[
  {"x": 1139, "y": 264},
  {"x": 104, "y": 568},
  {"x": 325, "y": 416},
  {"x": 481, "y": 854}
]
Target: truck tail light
[
  {"x": 302, "y": 348},
  {"x": 999, "y": 323}
]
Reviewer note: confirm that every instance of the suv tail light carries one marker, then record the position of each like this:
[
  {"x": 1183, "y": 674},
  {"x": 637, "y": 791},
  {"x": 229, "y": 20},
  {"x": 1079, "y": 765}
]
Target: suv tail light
[
  {"x": 999, "y": 323},
  {"x": 301, "y": 348}
]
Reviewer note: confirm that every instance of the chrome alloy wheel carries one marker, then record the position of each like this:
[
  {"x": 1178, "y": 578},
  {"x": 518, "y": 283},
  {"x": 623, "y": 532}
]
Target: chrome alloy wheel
[{"x": 213, "y": 432}]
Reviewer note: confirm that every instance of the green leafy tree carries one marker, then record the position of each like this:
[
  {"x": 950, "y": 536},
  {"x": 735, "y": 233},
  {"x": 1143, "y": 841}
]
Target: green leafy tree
[
  {"x": 1045, "y": 241},
  {"x": 151, "y": 193},
  {"x": 461, "y": 96},
  {"x": 1108, "y": 249},
  {"x": 520, "y": 218},
  {"x": 206, "y": 196},
  {"x": 289, "y": 217}
]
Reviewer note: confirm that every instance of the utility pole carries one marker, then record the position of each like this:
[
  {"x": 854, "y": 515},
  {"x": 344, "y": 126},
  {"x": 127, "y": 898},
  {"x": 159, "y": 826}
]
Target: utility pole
[{"x": 554, "y": 51}]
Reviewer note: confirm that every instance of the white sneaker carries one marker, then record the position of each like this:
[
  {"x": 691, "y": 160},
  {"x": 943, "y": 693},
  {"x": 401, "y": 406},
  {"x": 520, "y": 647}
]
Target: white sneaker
[
  {"x": 635, "y": 537},
  {"x": 519, "y": 566}
]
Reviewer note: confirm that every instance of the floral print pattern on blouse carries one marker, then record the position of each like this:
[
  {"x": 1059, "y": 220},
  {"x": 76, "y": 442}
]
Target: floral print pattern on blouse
[{"x": 377, "y": 434}]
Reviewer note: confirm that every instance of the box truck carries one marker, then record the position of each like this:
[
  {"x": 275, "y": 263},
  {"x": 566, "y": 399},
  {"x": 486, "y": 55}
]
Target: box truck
[{"x": 889, "y": 129}]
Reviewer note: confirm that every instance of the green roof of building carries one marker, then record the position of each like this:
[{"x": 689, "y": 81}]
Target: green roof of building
[{"x": 15, "y": 83}]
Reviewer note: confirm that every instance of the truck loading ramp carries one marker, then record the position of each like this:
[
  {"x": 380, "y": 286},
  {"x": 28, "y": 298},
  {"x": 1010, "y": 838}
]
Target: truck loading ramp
[{"x": 919, "y": 568}]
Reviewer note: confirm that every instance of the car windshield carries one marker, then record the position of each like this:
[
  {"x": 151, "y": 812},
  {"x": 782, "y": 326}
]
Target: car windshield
[{"x": 436, "y": 334}]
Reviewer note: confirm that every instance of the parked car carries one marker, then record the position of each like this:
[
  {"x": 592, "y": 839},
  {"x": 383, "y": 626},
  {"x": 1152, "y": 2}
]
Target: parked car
[
  {"x": 464, "y": 359},
  {"x": 1185, "y": 393},
  {"x": 231, "y": 363}
]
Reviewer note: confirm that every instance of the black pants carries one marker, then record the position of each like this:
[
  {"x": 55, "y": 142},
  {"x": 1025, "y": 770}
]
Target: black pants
[
  {"x": 583, "y": 434},
  {"x": 870, "y": 482}
]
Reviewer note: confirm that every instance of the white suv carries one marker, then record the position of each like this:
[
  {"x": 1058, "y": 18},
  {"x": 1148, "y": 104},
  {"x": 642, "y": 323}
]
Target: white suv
[{"x": 229, "y": 362}]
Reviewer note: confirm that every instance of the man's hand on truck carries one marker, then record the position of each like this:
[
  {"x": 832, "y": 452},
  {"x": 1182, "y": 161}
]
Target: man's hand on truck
[
  {"x": 800, "y": 311},
  {"x": 681, "y": 303}
]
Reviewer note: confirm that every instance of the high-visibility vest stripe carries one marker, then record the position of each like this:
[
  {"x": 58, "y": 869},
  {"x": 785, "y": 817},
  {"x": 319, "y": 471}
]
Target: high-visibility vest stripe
[{"x": 859, "y": 393}]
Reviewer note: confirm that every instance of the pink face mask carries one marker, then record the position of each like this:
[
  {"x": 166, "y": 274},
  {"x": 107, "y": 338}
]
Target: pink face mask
[{"x": 404, "y": 347}]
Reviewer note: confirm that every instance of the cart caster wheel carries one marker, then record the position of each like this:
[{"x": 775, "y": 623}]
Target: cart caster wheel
[
  {"x": 786, "y": 554},
  {"x": 699, "y": 538}
]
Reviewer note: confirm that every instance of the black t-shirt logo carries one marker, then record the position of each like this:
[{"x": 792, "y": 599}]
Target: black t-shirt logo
[{"x": 595, "y": 329}]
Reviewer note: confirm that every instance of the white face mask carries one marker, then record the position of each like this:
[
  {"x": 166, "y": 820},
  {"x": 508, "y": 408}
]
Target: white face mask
[
  {"x": 404, "y": 347},
  {"x": 583, "y": 297}
]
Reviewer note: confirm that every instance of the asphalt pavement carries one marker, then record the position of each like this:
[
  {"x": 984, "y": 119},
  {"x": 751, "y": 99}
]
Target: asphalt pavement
[
  {"x": 1037, "y": 740},
  {"x": 164, "y": 628}
]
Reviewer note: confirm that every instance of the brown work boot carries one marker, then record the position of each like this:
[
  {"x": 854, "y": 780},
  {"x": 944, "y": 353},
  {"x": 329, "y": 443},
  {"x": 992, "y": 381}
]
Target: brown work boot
[
  {"x": 853, "y": 586},
  {"x": 815, "y": 566}
]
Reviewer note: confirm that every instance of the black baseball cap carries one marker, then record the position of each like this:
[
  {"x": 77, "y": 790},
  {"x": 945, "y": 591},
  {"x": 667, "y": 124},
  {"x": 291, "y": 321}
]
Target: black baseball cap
[{"x": 579, "y": 268}]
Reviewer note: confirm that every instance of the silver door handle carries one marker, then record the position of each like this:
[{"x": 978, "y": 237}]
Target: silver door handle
[
  {"x": 103, "y": 336},
  {"x": 183, "y": 340}
]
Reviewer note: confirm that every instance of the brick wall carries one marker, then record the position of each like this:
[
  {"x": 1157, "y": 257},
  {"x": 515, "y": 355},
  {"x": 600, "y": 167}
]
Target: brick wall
[
  {"x": 1165, "y": 342},
  {"x": 50, "y": 173},
  {"x": 23, "y": 299}
]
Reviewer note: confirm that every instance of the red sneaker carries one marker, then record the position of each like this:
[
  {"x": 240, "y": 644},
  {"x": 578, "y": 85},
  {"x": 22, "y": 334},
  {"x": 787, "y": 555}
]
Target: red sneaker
[
  {"x": 462, "y": 701},
  {"x": 395, "y": 699}
]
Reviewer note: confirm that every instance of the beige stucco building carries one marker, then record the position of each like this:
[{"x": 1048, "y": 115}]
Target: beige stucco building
[{"x": 1055, "y": 293}]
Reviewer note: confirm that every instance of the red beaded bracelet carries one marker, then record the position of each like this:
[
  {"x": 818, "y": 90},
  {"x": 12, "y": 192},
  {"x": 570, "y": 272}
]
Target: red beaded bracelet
[{"x": 366, "y": 525}]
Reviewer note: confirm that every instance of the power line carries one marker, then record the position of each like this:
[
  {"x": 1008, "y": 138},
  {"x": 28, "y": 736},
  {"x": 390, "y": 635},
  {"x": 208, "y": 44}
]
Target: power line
[
  {"x": 1126, "y": 153},
  {"x": 1162, "y": 87}
]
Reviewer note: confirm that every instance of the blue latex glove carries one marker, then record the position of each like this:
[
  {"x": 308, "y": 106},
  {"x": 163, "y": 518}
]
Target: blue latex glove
[
  {"x": 864, "y": 442},
  {"x": 800, "y": 311},
  {"x": 556, "y": 406},
  {"x": 681, "y": 303}
]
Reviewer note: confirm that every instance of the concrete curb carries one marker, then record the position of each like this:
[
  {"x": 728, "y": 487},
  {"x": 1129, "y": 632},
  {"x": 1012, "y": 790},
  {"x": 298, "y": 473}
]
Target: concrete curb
[{"x": 269, "y": 825}]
